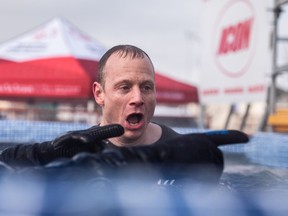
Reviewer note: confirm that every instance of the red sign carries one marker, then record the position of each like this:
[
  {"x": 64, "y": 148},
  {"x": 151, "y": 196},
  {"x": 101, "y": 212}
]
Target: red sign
[{"x": 234, "y": 40}]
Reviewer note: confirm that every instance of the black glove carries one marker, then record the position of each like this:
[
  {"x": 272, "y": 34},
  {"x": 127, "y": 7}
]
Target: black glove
[
  {"x": 187, "y": 158},
  {"x": 66, "y": 146},
  {"x": 88, "y": 140}
]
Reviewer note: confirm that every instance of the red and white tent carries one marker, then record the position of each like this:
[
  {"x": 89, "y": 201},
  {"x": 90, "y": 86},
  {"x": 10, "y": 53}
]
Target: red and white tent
[{"x": 57, "y": 61}]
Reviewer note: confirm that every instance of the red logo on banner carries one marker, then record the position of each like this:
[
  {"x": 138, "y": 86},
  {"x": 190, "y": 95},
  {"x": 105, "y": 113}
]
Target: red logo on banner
[
  {"x": 234, "y": 41},
  {"x": 235, "y": 38}
]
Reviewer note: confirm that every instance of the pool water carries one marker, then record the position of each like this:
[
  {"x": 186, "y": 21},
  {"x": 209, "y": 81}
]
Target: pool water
[{"x": 254, "y": 182}]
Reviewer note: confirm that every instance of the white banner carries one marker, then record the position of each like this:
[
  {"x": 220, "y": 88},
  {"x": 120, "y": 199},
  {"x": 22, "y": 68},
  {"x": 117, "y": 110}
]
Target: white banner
[{"x": 236, "y": 55}]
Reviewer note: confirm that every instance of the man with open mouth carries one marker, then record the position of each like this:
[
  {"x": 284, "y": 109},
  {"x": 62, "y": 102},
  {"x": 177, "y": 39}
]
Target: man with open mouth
[{"x": 125, "y": 90}]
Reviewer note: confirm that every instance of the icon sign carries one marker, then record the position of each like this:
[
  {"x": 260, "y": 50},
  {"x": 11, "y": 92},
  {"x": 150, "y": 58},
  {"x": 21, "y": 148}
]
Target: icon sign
[{"x": 234, "y": 43}]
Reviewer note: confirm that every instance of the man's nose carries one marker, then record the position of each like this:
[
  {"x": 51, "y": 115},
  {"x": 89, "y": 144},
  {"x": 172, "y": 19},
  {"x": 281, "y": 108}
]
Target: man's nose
[{"x": 137, "y": 97}]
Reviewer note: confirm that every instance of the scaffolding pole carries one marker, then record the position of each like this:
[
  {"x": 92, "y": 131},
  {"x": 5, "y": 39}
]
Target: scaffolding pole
[{"x": 275, "y": 69}]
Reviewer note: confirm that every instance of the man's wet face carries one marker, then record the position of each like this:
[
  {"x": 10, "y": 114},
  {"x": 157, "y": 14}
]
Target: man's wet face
[{"x": 129, "y": 94}]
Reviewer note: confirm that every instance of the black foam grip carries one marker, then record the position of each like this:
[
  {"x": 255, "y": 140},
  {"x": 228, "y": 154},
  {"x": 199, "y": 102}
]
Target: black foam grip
[
  {"x": 106, "y": 131},
  {"x": 81, "y": 141},
  {"x": 226, "y": 137}
]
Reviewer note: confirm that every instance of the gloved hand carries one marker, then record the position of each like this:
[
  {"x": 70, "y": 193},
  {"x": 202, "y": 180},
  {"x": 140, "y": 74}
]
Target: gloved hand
[
  {"x": 74, "y": 142},
  {"x": 66, "y": 146},
  {"x": 188, "y": 158},
  {"x": 191, "y": 157}
]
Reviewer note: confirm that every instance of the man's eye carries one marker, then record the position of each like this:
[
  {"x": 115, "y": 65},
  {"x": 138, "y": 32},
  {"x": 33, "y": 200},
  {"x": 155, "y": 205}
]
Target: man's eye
[
  {"x": 124, "y": 87},
  {"x": 147, "y": 88}
]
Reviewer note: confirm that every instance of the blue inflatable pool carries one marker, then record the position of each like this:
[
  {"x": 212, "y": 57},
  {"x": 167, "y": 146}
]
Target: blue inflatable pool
[{"x": 254, "y": 182}]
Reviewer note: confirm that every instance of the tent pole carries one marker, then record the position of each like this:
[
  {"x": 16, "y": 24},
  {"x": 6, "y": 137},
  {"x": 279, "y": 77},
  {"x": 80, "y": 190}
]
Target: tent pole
[
  {"x": 263, "y": 122},
  {"x": 231, "y": 111},
  {"x": 244, "y": 119},
  {"x": 201, "y": 123}
]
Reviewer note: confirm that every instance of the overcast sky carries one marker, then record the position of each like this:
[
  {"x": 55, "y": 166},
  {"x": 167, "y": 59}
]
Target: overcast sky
[{"x": 166, "y": 29}]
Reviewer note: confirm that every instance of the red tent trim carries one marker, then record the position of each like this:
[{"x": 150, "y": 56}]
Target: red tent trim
[
  {"x": 70, "y": 78},
  {"x": 174, "y": 92}
]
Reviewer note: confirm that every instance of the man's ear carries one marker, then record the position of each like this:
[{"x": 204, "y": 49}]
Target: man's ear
[{"x": 98, "y": 93}]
